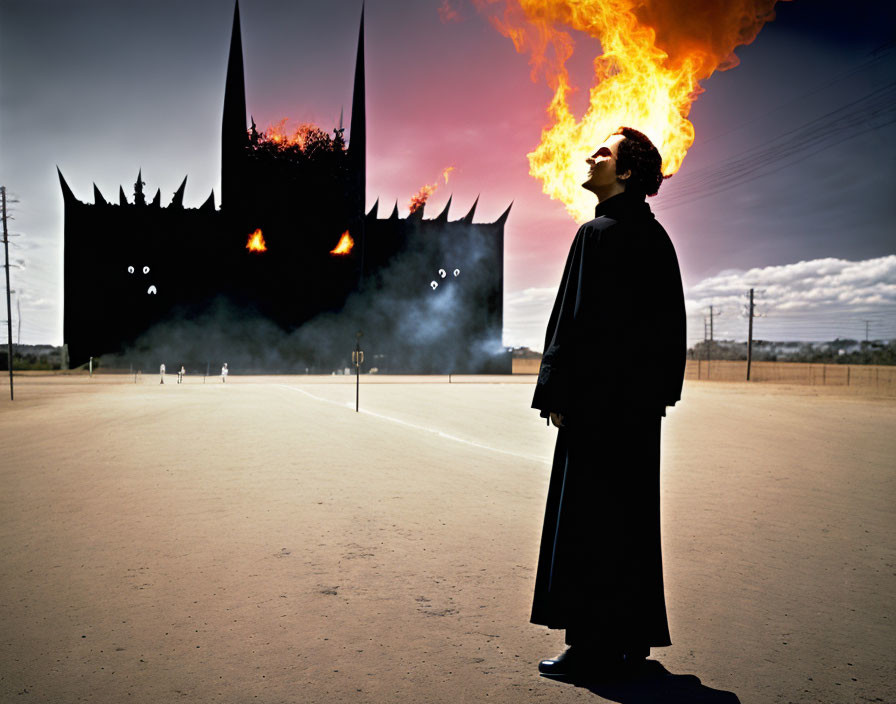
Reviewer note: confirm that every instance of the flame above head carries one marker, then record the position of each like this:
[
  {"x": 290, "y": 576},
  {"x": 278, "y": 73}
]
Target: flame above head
[
  {"x": 655, "y": 52},
  {"x": 256, "y": 242},
  {"x": 447, "y": 170},
  {"x": 345, "y": 245}
]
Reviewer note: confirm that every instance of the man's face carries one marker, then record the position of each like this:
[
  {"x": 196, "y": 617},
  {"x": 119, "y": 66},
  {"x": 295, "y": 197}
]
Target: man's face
[{"x": 602, "y": 165}]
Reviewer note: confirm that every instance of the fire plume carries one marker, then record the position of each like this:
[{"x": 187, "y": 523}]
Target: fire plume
[
  {"x": 655, "y": 52},
  {"x": 256, "y": 242},
  {"x": 420, "y": 198},
  {"x": 345, "y": 245},
  {"x": 278, "y": 134}
]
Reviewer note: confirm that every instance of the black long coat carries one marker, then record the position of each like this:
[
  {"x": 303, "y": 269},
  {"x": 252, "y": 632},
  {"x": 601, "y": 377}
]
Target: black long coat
[{"x": 614, "y": 359}]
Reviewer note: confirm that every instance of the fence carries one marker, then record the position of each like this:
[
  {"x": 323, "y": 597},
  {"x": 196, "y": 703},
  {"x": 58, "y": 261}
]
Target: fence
[
  {"x": 866, "y": 376},
  {"x": 861, "y": 375}
]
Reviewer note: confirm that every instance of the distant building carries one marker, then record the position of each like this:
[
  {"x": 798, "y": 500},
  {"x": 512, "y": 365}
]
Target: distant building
[{"x": 427, "y": 293}]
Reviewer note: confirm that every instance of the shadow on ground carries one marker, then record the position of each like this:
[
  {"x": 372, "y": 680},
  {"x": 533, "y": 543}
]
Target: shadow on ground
[{"x": 653, "y": 684}]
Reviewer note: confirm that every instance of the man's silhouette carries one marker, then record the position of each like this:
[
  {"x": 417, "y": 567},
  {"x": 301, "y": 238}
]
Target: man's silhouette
[{"x": 613, "y": 361}]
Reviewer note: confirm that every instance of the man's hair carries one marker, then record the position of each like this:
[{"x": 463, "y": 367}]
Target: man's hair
[{"x": 637, "y": 153}]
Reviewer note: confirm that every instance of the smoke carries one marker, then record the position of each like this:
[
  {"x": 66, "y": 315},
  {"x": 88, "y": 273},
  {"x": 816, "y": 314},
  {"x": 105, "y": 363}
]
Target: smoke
[
  {"x": 407, "y": 325},
  {"x": 448, "y": 13}
]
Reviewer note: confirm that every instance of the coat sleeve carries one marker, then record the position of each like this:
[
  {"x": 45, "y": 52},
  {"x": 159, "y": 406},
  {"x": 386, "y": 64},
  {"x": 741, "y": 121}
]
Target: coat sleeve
[
  {"x": 673, "y": 327},
  {"x": 553, "y": 389}
]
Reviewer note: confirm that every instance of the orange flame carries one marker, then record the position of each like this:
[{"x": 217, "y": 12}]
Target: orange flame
[
  {"x": 256, "y": 242},
  {"x": 655, "y": 52},
  {"x": 345, "y": 245},
  {"x": 278, "y": 134},
  {"x": 419, "y": 200}
]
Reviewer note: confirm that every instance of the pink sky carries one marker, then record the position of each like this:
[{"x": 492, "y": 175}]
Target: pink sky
[{"x": 115, "y": 87}]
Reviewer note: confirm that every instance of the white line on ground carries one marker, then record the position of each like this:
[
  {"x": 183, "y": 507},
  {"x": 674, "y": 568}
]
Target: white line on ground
[{"x": 434, "y": 431}]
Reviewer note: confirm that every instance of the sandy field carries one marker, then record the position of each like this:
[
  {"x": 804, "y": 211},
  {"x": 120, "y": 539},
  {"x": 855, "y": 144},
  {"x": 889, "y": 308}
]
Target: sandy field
[{"x": 259, "y": 541}]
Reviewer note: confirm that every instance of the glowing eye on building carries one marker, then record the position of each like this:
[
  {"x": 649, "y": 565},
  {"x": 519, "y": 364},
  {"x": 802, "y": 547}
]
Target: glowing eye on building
[
  {"x": 457, "y": 272},
  {"x": 130, "y": 270},
  {"x": 434, "y": 284},
  {"x": 442, "y": 273},
  {"x": 146, "y": 270},
  {"x": 151, "y": 291}
]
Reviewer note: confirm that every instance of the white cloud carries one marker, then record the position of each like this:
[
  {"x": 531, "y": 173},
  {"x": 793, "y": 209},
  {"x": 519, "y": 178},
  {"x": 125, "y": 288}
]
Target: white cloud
[
  {"x": 526, "y": 316},
  {"x": 819, "y": 299}
]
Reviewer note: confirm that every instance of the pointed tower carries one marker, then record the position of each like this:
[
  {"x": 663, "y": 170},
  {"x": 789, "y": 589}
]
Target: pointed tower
[
  {"x": 357, "y": 146},
  {"x": 178, "y": 200},
  {"x": 139, "y": 198},
  {"x": 468, "y": 218},
  {"x": 233, "y": 126},
  {"x": 67, "y": 195}
]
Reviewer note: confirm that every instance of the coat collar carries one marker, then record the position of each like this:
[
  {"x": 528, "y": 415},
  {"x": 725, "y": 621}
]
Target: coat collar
[{"x": 623, "y": 206}]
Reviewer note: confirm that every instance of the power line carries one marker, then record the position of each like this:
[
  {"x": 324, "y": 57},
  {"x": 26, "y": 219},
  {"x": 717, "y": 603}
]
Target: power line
[
  {"x": 871, "y": 112},
  {"x": 870, "y": 60}
]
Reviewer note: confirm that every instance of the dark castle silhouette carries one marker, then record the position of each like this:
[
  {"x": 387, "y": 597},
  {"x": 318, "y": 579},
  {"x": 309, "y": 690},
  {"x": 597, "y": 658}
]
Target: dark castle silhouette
[{"x": 146, "y": 283}]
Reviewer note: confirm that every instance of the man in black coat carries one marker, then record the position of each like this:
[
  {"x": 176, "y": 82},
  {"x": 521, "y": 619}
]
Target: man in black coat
[{"x": 614, "y": 359}]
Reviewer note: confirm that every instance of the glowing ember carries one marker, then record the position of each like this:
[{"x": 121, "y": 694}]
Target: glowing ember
[
  {"x": 654, "y": 54},
  {"x": 419, "y": 200},
  {"x": 303, "y": 133},
  {"x": 256, "y": 242},
  {"x": 345, "y": 245}
]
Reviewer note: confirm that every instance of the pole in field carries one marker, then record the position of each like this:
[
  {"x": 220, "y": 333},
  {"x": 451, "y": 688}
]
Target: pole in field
[
  {"x": 750, "y": 337},
  {"x": 357, "y": 360},
  {"x": 712, "y": 315},
  {"x": 8, "y": 306}
]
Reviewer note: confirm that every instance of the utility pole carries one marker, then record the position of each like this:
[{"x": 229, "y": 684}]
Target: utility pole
[
  {"x": 709, "y": 345},
  {"x": 8, "y": 306},
  {"x": 750, "y": 337},
  {"x": 867, "y": 323},
  {"x": 357, "y": 360}
]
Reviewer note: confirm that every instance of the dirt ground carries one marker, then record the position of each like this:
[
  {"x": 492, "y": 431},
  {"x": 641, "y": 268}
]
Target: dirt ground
[{"x": 259, "y": 541}]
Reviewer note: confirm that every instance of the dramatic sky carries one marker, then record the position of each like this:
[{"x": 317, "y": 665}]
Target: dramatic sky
[{"x": 788, "y": 187}]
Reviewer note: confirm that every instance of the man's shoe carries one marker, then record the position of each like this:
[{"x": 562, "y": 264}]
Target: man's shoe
[
  {"x": 577, "y": 660},
  {"x": 566, "y": 663}
]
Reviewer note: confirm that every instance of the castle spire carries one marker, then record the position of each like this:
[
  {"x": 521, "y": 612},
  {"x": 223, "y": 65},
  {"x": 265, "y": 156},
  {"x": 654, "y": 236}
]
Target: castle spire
[
  {"x": 357, "y": 148},
  {"x": 67, "y": 195},
  {"x": 178, "y": 200},
  {"x": 139, "y": 198},
  {"x": 501, "y": 220},
  {"x": 233, "y": 124},
  {"x": 443, "y": 216},
  {"x": 468, "y": 218},
  {"x": 98, "y": 198}
]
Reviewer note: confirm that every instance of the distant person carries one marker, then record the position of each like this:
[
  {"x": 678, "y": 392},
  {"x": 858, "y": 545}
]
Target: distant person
[
  {"x": 161, "y": 373},
  {"x": 224, "y": 373},
  {"x": 614, "y": 357},
  {"x": 180, "y": 374}
]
